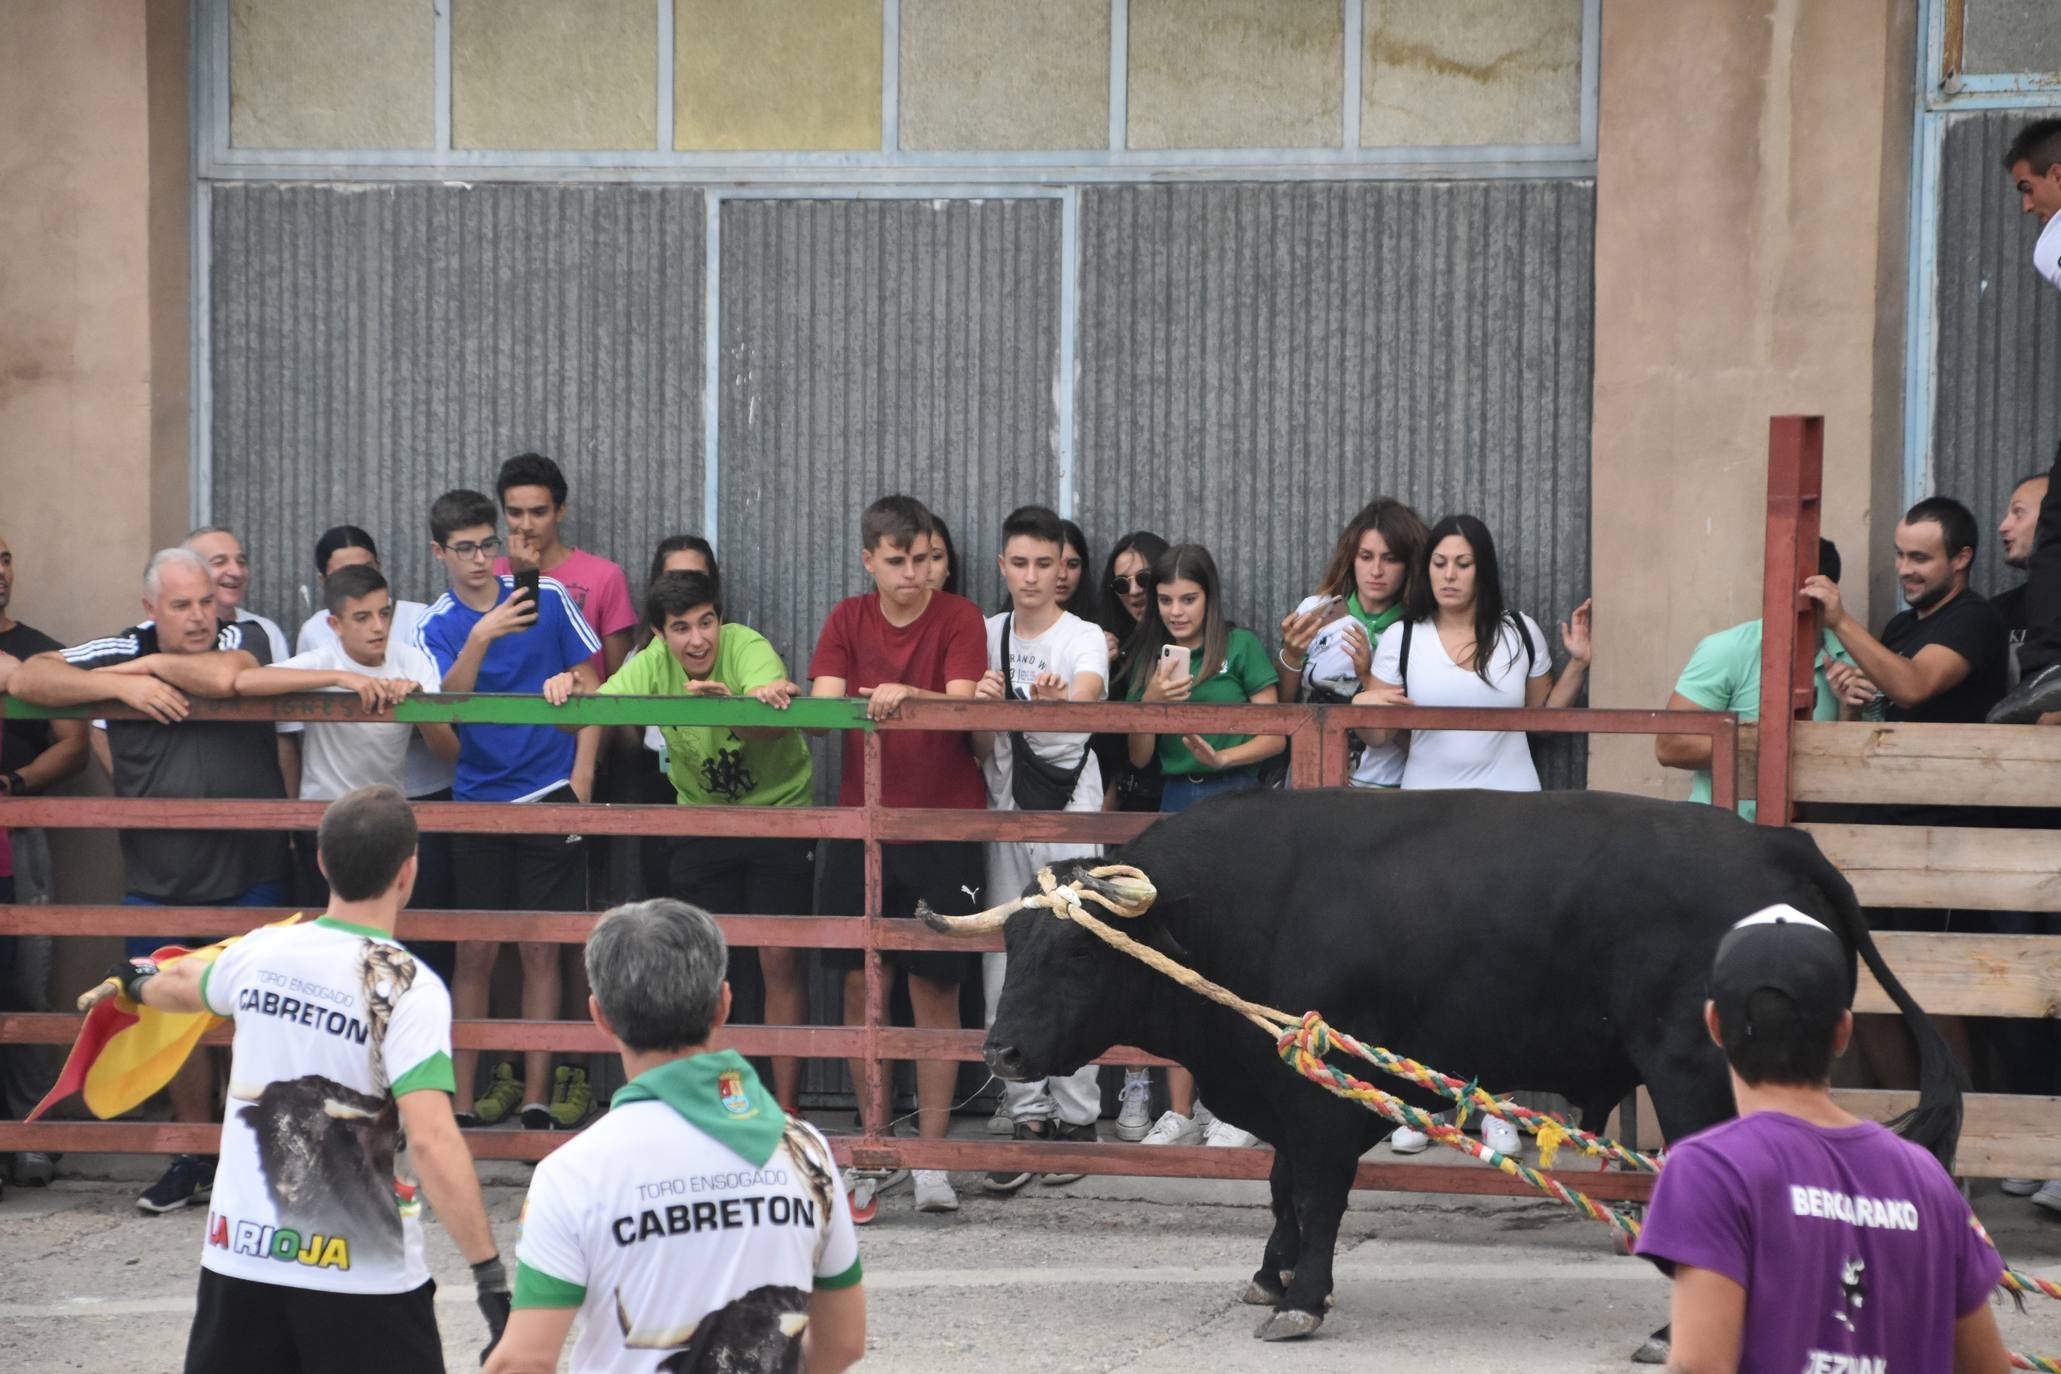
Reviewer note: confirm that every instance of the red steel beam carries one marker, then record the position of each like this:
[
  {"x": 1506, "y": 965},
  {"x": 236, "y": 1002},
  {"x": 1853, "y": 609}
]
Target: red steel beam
[{"x": 1796, "y": 464}]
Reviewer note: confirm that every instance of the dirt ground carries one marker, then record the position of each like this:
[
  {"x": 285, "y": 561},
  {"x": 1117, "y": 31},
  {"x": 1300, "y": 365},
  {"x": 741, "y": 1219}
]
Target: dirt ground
[{"x": 1108, "y": 1274}]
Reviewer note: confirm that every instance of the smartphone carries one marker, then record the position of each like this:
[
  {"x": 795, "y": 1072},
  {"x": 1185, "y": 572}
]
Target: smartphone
[
  {"x": 1316, "y": 603},
  {"x": 1175, "y": 654},
  {"x": 530, "y": 579}
]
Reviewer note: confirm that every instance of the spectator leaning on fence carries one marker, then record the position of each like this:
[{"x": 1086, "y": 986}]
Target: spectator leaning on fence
[
  {"x": 1799, "y": 1237},
  {"x": 1126, "y": 595},
  {"x": 35, "y": 755},
  {"x": 1723, "y": 674},
  {"x": 756, "y": 1266},
  {"x": 905, "y": 641},
  {"x": 362, "y": 657},
  {"x": 489, "y": 635},
  {"x": 313, "y": 1258},
  {"x": 180, "y": 649},
  {"x": 695, "y": 652},
  {"x": 1327, "y": 643},
  {"x": 1039, "y": 653},
  {"x": 532, "y": 490}
]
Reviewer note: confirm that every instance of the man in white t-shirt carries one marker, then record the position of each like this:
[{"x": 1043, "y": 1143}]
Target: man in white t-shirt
[
  {"x": 313, "y": 1254},
  {"x": 364, "y": 656},
  {"x": 1038, "y": 652},
  {"x": 696, "y": 1226}
]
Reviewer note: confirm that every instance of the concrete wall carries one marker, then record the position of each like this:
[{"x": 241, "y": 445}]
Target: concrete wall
[{"x": 1749, "y": 262}]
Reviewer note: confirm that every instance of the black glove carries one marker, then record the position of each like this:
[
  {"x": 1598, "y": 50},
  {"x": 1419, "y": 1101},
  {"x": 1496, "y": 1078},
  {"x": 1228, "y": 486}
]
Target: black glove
[
  {"x": 130, "y": 975},
  {"x": 490, "y": 1291}
]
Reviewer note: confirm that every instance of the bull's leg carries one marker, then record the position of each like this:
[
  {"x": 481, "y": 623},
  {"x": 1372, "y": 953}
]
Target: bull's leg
[
  {"x": 1284, "y": 1243},
  {"x": 1320, "y": 1189}
]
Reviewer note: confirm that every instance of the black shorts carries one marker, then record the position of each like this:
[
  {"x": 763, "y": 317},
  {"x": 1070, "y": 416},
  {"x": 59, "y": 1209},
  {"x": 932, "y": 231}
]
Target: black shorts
[
  {"x": 949, "y": 875},
  {"x": 520, "y": 872},
  {"x": 241, "y": 1326},
  {"x": 733, "y": 877}
]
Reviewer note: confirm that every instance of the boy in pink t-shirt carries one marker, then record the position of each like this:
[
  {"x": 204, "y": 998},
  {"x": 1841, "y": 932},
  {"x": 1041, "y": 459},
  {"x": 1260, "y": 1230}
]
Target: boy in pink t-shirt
[{"x": 532, "y": 492}]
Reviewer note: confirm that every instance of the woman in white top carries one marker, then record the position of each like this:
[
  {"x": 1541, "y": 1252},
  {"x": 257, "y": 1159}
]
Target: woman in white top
[{"x": 1457, "y": 646}]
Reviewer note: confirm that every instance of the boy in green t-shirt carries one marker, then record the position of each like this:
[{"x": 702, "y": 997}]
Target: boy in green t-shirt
[{"x": 693, "y": 652}]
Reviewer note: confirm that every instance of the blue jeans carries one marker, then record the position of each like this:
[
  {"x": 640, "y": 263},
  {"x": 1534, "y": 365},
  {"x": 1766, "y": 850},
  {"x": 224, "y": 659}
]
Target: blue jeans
[
  {"x": 143, "y": 946},
  {"x": 1182, "y": 793}
]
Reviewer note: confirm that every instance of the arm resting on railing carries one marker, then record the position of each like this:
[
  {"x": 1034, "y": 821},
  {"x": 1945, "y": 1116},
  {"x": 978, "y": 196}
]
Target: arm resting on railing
[{"x": 1682, "y": 751}]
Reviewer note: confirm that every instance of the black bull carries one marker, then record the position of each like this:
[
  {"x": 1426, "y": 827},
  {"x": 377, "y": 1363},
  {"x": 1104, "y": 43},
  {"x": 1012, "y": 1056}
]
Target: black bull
[{"x": 1549, "y": 941}]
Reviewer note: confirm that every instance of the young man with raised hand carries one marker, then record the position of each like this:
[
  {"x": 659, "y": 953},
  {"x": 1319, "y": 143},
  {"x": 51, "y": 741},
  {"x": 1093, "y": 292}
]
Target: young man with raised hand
[
  {"x": 696, "y": 1226},
  {"x": 361, "y": 656},
  {"x": 905, "y": 641},
  {"x": 695, "y": 652},
  {"x": 533, "y": 491},
  {"x": 1038, "y": 652},
  {"x": 489, "y": 635},
  {"x": 1799, "y": 1237},
  {"x": 314, "y": 1253},
  {"x": 180, "y": 647}
]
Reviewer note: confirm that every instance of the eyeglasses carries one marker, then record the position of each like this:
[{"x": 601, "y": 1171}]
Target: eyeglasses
[
  {"x": 466, "y": 552},
  {"x": 1121, "y": 584}
]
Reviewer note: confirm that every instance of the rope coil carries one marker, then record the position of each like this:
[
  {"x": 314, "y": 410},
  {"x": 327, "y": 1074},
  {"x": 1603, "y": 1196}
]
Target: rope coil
[{"x": 1303, "y": 1042}]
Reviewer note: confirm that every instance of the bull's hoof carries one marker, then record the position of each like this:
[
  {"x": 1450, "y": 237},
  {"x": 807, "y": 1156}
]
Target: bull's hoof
[
  {"x": 1257, "y": 1296},
  {"x": 1655, "y": 1351},
  {"x": 1289, "y": 1324}
]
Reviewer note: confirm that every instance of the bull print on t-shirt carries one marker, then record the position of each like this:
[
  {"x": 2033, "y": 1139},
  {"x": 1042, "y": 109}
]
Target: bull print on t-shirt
[{"x": 1853, "y": 1294}]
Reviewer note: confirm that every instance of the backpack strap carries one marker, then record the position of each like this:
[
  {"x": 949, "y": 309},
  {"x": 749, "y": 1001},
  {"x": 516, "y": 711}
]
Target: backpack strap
[{"x": 1408, "y": 625}]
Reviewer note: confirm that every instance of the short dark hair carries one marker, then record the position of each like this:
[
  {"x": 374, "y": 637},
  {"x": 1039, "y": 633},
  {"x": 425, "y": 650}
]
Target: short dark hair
[
  {"x": 365, "y": 837},
  {"x": 676, "y": 593},
  {"x": 1956, "y": 522},
  {"x": 531, "y": 470},
  {"x": 896, "y": 520},
  {"x": 348, "y": 584},
  {"x": 461, "y": 510},
  {"x": 657, "y": 969},
  {"x": 1778, "y": 1042},
  {"x": 1828, "y": 558},
  {"x": 1039, "y": 522},
  {"x": 2038, "y": 145},
  {"x": 342, "y": 537},
  {"x": 678, "y": 543}
]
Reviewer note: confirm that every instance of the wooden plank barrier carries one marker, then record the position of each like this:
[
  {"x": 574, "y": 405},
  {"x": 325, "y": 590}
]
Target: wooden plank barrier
[
  {"x": 1969, "y": 975},
  {"x": 1939, "y": 765},
  {"x": 1969, "y": 867}
]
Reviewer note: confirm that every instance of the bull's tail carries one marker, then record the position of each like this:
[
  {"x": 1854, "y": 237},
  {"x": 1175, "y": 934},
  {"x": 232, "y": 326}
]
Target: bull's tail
[{"x": 1935, "y": 1123}]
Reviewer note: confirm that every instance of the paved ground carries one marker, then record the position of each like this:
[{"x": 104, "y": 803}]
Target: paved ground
[{"x": 1105, "y": 1275}]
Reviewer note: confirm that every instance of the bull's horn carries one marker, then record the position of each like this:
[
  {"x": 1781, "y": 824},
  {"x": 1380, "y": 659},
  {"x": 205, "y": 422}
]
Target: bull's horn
[
  {"x": 977, "y": 924},
  {"x": 1127, "y": 887},
  {"x": 344, "y": 1111},
  {"x": 244, "y": 1092},
  {"x": 793, "y": 1323},
  {"x": 663, "y": 1338}
]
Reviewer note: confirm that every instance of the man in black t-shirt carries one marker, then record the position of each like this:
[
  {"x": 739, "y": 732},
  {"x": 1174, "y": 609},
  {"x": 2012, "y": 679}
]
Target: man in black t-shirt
[
  {"x": 34, "y": 755},
  {"x": 180, "y": 649},
  {"x": 1943, "y": 658},
  {"x": 2018, "y": 531}
]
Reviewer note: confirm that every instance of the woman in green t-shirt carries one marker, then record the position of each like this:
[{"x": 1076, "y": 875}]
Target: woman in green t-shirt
[{"x": 1222, "y": 663}]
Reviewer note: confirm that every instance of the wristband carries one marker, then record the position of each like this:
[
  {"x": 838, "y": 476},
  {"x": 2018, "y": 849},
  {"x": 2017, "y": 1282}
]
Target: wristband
[
  {"x": 15, "y": 786},
  {"x": 131, "y": 975},
  {"x": 1282, "y": 655}
]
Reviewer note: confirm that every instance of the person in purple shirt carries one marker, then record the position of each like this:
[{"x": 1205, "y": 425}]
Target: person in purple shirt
[{"x": 1799, "y": 1237}]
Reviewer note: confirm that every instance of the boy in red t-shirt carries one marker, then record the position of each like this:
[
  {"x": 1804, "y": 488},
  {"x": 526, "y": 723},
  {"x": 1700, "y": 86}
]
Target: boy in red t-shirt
[{"x": 899, "y": 642}]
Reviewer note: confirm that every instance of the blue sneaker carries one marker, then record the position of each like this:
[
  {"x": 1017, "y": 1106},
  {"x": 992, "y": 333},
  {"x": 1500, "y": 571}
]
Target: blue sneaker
[{"x": 189, "y": 1178}]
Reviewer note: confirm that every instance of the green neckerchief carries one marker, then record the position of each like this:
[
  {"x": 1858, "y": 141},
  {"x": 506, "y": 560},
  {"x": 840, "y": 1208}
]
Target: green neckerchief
[
  {"x": 1373, "y": 624},
  {"x": 719, "y": 1095}
]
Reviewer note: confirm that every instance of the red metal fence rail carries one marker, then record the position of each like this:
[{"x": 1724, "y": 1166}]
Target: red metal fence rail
[{"x": 1316, "y": 739}]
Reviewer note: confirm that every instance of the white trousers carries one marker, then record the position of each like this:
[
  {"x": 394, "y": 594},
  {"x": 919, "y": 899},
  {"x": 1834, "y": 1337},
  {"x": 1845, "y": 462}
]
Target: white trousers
[{"x": 1076, "y": 1098}]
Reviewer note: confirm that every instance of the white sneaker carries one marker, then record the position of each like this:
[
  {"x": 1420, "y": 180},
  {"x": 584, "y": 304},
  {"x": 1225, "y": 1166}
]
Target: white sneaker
[
  {"x": 2049, "y": 1195},
  {"x": 1134, "y": 1115},
  {"x": 1000, "y": 1123},
  {"x": 1408, "y": 1140},
  {"x": 1174, "y": 1129},
  {"x": 2021, "y": 1187},
  {"x": 1502, "y": 1137},
  {"x": 1224, "y": 1135},
  {"x": 934, "y": 1192}
]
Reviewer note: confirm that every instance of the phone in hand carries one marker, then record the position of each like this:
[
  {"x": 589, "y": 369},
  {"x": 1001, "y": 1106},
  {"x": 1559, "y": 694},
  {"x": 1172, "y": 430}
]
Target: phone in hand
[
  {"x": 1316, "y": 603},
  {"x": 1174, "y": 654},
  {"x": 529, "y": 579}
]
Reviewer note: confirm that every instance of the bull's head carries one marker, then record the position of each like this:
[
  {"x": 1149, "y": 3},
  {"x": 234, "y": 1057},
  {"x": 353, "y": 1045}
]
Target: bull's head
[
  {"x": 327, "y": 1153},
  {"x": 1068, "y": 995}
]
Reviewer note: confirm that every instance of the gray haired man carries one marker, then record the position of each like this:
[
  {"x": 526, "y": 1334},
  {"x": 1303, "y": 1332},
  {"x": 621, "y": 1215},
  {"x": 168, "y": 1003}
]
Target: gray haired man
[
  {"x": 696, "y": 1218},
  {"x": 180, "y": 649}
]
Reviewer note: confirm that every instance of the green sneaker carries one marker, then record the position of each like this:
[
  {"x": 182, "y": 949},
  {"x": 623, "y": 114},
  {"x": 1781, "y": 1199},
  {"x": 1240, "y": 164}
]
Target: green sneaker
[
  {"x": 504, "y": 1090},
  {"x": 571, "y": 1098}
]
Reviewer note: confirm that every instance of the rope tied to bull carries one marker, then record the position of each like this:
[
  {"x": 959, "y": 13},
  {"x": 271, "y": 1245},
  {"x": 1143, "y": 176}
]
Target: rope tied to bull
[{"x": 1305, "y": 1042}]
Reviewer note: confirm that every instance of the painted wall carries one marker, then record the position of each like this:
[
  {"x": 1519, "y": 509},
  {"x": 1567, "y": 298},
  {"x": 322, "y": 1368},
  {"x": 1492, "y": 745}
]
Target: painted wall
[{"x": 1749, "y": 262}]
